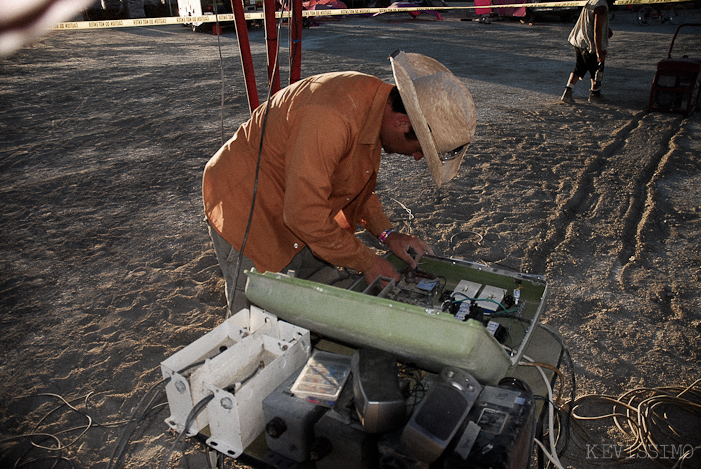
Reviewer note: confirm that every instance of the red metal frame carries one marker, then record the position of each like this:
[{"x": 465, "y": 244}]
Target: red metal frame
[
  {"x": 271, "y": 42},
  {"x": 271, "y": 39},
  {"x": 296, "y": 23},
  {"x": 245, "y": 51}
]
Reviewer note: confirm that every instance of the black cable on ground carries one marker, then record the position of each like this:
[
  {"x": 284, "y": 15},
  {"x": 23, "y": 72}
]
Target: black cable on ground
[
  {"x": 136, "y": 417},
  {"x": 199, "y": 407},
  {"x": 37, "y": 439}
]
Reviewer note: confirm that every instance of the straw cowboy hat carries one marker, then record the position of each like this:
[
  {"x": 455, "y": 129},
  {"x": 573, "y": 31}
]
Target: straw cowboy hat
[{"x": 440, "y": 109}]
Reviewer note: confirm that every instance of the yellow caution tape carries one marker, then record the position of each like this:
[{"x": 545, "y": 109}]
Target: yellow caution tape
[{"x": 259, "y": 15}]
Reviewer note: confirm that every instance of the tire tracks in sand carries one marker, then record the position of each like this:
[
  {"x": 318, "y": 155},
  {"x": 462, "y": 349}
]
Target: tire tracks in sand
[{"x": 599, "y": 230}]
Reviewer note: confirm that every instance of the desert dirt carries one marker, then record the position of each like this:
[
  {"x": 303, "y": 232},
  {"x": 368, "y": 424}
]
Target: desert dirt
[{"x": 107, "y": 267}]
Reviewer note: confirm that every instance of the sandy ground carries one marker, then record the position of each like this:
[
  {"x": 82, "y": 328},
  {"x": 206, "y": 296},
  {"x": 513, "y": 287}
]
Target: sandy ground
[{"x": 107, "y": 268}]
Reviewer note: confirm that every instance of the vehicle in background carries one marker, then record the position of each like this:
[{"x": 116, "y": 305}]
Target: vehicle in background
[
  {"x": 565, "y": 14},
  {"x": 120, "y": 9},
  {"x": 211, "y": 7},
  {"x": 525, "y": 13},
  {"x": 675, "y": 14}
]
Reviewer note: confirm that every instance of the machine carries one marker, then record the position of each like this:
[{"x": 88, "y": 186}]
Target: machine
[
  {"x": 675, "y": 88},
  {"x": 419, "y": 372}
]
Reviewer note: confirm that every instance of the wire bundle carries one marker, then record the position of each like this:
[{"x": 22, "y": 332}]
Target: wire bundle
[
  {"x": 661, "y": 424},
  {"x": 657, "y": 424},
  {"x": 43, "y": 447}
]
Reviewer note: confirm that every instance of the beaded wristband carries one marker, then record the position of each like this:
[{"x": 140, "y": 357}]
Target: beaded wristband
[{"x": 384, "y": 234}]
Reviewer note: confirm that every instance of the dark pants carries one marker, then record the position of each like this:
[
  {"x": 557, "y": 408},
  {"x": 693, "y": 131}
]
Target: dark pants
[
  {"x": 587, "y": 62},
  {"x": 233, "y": 266}
]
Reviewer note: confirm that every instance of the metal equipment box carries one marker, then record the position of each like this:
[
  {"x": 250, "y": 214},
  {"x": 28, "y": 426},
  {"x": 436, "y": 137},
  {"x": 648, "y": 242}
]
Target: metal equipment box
[
  {"x": 240, "y": 380},
  {"x": 340, "y": 440},
  {"x": 289, "y": 427},
  {"x": 412, "y": 324},
  {"x": 251, "y": 352}
]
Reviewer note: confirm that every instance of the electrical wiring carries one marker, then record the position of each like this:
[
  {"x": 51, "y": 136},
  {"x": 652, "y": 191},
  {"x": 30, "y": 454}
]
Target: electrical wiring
[
  {"x": 71, "y": 407},
  {"x": 238, "y": 384},
  {"x": 560, "y": 425},
  {"x": 556, "y": 336},
  {"x": 191, "y": 366},
  {"x": 561, "y": 377},
  {"x": 237, "y": 269},
  {"x": 566, "y": 410},
  {"x": 196, "y": 410},
  {"x": 36, "y": 462},
  {"x": 687, "y": 454},
  {"x": 417, "y": 391},
  {"x": 406, "y": 209},
  {"x": 467, "y": 298},
  {"x": 546, "y": 453},
  {"x": 141, "y": 412},
  {"x": 552, "y": 454},
  {"x": 38, "y": 439},
  {"x": 137, "y": 416},
  {"x": 563, "y": 411},
  {"x": 578, "y": 419},
  {"x": 19, "y": 462},
  {"x": 59, "y": 447},
  {"x": 660, "y": 424},
  {"x": 221, "y": 69},
  {"x": 463, "y": 233}
]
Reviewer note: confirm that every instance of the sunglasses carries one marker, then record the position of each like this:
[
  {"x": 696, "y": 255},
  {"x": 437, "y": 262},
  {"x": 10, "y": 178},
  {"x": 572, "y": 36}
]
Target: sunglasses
[{"x": 452, "y": 154}]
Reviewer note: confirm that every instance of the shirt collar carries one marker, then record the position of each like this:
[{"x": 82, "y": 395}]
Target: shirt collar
[{"x": 370, "y": 132}]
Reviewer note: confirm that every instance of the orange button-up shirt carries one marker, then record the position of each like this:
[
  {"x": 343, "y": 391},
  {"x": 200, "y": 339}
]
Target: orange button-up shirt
[{"x": 317, "y": 173}]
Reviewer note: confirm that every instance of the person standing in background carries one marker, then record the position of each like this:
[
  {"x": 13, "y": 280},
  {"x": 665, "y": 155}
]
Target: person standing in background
[{"x": 589, "y": 37}]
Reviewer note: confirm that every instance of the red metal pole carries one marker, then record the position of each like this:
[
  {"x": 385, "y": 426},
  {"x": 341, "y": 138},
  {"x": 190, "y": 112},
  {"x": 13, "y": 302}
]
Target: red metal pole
[
  {"x": 271, "y": 41},
  {"x": 245, "y": 50},
  {"x": 296, "y": 46}
]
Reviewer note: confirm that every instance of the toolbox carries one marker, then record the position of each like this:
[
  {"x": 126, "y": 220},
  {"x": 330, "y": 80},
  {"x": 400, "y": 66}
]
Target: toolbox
[{"x": 675, "y": 88}]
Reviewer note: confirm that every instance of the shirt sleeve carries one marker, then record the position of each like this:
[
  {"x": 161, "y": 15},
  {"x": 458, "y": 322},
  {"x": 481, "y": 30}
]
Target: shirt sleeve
[
  {"x": 311, "y": 164},
  {"x": 373, "y": 217}
]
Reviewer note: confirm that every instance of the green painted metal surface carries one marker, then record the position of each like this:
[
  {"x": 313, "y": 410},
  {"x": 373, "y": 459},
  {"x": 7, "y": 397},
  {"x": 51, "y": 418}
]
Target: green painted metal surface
[{"x": 427, "y": 337}]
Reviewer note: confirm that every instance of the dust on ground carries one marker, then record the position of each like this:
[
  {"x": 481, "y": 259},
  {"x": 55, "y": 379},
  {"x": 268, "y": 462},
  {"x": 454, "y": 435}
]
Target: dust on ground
[{"x": 107, "y": 268}]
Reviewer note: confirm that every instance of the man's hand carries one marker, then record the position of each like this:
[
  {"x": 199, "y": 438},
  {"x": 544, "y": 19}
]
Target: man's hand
[
  {"x": 601, "y": 56},
  {"x": 381, "y": 267},
  {"x": 403, "y": 246}
]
